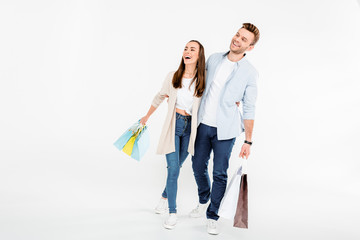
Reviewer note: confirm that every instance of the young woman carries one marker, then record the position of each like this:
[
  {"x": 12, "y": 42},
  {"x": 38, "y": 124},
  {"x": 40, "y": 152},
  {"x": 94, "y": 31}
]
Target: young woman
[{"x": 184, "y": 89}]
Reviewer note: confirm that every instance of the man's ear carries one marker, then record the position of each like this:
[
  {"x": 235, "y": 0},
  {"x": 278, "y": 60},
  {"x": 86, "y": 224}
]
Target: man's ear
[{"x": 251, "y": 47}]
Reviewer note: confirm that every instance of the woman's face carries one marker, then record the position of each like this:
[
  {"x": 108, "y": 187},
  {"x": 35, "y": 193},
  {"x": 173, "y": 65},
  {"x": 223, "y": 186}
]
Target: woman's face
[{"x": 191, "y": 53}]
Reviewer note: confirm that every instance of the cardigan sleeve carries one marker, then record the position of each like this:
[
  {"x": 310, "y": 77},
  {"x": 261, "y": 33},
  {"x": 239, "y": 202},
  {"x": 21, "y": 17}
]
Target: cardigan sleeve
[{"x": 165, "y": 90}]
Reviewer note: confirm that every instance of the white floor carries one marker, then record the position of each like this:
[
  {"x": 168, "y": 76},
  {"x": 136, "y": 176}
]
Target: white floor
[
  {"x": 116, "y": 206},
  {"x": 142, "y": 223}
]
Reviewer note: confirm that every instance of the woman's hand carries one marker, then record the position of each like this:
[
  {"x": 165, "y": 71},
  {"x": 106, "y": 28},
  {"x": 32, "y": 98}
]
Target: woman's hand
[{"x": 144, "y": 119}]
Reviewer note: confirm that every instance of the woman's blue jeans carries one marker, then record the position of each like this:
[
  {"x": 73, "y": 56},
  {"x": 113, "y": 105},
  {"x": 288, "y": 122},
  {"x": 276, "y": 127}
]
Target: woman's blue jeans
[{"x": 177, "y": 158}]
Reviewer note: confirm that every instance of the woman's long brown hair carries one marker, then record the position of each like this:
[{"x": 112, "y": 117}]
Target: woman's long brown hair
[{"x": 199, "y": 75}]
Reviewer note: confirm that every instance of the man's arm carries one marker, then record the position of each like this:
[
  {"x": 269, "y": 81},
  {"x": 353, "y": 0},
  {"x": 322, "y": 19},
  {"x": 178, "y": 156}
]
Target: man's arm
[
  {"x": 245, "y": 149},
  {"x": 249, "y": 100}
]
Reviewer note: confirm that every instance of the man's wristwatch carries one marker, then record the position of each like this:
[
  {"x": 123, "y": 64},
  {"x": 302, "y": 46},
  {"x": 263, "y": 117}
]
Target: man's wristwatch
[{"x": 247, "y": 142}]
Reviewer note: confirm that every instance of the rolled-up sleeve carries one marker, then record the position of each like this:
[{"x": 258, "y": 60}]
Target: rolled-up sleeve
[
  {"x": 160, "y": 96},
  {"x": 249, "y": 98}
]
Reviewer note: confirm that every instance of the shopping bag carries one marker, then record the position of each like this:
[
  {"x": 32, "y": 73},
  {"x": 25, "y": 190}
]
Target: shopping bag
[
  {"x": 229, "y": 202},
  {"x": 241, "y": 215},
  {"x": 128, "y": 148},
  {"x": 141, "y": 144},
  {"x": 125, "y": 137}
]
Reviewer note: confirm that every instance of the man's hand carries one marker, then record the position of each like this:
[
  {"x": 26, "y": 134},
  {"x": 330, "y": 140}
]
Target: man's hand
[{"x": 245, "y": 151}]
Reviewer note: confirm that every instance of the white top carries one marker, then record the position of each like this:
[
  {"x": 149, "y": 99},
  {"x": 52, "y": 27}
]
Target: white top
[
  {"x": 212, "y": 98},
  {"x": 185, "y": 96}
]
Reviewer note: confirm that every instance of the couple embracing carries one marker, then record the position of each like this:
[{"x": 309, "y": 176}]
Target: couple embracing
[{"x": 203, "y": 116}]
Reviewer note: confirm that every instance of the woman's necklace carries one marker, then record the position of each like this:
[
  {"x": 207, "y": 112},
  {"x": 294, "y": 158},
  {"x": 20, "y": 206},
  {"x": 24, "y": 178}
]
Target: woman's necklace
[{"x": 189, "y": 75}]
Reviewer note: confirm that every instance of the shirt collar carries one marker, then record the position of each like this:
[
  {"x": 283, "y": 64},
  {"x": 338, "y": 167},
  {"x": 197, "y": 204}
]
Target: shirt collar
[{"x": 237, "y": 63}]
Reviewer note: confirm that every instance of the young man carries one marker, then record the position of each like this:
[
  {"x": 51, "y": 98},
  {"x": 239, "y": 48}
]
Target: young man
[{"x": 230, "y": 78}]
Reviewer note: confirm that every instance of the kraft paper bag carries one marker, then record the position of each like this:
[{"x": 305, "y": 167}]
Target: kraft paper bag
[{"x": 241, "y": 215}]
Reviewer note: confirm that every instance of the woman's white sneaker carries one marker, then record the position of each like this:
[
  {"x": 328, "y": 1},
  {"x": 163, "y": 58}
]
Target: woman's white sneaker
[
  {"x": 171, "y": 221},
  {"x": 162, "y": 206},
  {"x": 199, "y": 211},
  {"x": 212, "y": 227}
]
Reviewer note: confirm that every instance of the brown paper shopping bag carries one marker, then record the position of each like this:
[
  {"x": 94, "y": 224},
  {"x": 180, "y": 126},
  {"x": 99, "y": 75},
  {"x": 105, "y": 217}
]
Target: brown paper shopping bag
[{"x": 241, "y": 215}]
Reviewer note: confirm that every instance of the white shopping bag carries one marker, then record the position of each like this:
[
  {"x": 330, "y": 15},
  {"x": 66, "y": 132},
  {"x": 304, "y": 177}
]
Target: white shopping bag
[{"x": 229, "y": 202}]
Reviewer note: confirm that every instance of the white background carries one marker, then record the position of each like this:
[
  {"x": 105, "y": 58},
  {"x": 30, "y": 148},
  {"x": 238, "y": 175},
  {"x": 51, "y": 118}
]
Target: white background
[{"x": 75, "y": 74}]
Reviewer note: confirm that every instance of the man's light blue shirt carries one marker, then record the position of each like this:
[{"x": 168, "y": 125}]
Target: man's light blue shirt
[{"x": 239, "y": 87}]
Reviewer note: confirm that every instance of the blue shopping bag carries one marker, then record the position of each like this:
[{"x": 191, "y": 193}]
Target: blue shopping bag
[
  {"x": 141, "y": 144},
  {"x": 125, "y": 137}
]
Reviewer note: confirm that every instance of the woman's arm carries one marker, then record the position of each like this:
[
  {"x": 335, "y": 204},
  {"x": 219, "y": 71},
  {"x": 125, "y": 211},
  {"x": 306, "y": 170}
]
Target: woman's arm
[
  {"x": 152, "y": 109},
  {"x": 158, "y": 99},
  {"x": 144, "y": 119}
]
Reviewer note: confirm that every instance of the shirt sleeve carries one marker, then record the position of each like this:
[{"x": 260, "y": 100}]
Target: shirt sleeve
[
  {"x": 165, "y": 90},
  {"x": 208, "y": 62},
  {"x": 249, "y": 98}
]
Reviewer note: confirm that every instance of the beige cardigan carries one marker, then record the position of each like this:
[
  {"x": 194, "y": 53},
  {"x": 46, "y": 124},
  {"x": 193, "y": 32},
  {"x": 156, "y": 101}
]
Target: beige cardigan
[{"x": 167, "y": 137}]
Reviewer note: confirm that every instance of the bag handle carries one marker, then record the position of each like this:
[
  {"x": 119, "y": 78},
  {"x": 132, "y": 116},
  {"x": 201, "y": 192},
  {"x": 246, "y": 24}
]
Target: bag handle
[
  {"x": 244, "y": 165},
  {"x": 137, "y": 126},
  {"x": 141, "y": 131}
]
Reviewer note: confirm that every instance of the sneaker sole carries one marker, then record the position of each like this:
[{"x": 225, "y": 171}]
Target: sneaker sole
[
  {"x": 213, "y": 233},
  {"x": 170, "y": 227},
  {"x": 161, "y": 212}
]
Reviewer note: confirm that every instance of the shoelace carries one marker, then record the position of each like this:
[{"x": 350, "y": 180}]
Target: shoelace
[
  {"x": 162, "y": 205},
  {"x": 212, "y": 224},
  {"x": 171, "y": 219},
  {"x": 197, "y": 209}
]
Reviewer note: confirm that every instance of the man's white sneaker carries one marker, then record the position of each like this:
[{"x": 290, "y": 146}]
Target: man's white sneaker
[
  {"x": 171, "y": 221},
  {"x": 162, "y": 206},
  {"x": 199, "y": 211},
  {"x": 212, "y": 227}
]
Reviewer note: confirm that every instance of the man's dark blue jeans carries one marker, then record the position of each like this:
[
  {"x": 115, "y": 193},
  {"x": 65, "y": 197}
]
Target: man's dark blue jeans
[{"x": 207, "y": 141}]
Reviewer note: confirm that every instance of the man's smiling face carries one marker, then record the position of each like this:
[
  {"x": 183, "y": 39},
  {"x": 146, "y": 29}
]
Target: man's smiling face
[{"x": 242, "y": 41}]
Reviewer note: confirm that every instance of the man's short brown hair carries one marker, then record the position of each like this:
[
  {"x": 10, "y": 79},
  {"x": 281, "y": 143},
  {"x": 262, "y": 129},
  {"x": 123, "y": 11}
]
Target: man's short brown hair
[{"x": 252, "y": 28}]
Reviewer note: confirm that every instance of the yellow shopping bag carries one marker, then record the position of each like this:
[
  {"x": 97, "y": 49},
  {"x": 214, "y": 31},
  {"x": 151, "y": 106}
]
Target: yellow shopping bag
[{"x": 129, "y": 145}]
